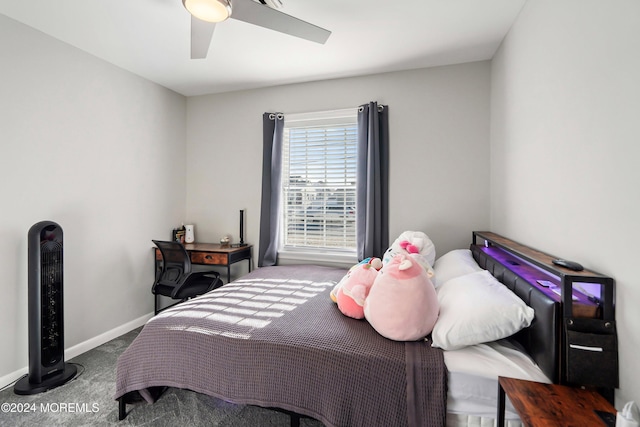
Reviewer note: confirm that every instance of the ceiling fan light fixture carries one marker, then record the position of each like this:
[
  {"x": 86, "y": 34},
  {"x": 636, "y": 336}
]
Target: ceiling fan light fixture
[{"x": 209, "y": 10}]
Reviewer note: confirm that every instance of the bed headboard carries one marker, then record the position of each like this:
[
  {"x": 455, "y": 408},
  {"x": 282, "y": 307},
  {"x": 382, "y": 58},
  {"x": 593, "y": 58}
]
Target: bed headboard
[
  {"x": 520, "y": 268},
  {"x": 542, "y": 340}
]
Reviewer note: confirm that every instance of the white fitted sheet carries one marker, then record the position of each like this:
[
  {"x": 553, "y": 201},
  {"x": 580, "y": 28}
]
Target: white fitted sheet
[{"x": 473, "y": 377}]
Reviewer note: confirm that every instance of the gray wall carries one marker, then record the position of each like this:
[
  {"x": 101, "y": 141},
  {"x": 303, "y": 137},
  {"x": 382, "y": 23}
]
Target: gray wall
[
  {"x": 564, "y": 146},
  {"x": 439, "y": 132},
  {"x": 101, "y": 152}
]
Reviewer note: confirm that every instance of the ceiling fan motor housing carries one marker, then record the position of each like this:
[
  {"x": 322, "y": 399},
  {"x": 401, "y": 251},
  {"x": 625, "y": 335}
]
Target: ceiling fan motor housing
[{"x": 209, "y": 10}]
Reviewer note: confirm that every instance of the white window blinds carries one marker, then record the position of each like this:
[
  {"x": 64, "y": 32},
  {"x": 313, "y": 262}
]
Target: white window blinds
[{"x": 319, "y": 181}]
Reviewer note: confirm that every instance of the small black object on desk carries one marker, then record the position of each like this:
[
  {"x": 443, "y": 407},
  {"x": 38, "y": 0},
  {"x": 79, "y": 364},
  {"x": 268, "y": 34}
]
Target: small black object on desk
[
  {"x": 241, "y": 228},
  {"x": 571, "y": 265},
  {"x": 607, "y": 417}
]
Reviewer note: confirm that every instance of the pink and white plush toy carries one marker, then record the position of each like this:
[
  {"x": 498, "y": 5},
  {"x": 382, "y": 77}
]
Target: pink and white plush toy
[
  {"x": 402, "y": 304},
  {"x": 413, "y": 242},
  {"x": 353, "y": 289}
]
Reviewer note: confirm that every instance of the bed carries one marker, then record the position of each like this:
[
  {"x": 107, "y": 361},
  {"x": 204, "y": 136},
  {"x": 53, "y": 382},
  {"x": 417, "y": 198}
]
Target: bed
[{"x": 275, "y": 339}]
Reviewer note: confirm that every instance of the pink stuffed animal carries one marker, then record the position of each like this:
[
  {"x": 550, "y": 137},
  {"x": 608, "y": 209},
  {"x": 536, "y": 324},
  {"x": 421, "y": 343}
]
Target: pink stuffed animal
[
  {"x": 402, "y": 304},
  {"x": 354, "y": 289}
]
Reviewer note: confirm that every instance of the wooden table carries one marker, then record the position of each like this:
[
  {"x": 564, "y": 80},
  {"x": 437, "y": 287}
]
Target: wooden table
[
  {"x": 551, "y": 405},
  {"x": 214, "y": 254}
]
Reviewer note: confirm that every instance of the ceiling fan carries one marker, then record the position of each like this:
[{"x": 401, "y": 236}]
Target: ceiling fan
[{"x": 206, "y": 13}]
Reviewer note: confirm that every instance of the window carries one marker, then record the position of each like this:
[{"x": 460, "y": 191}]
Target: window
[{"x": 319, "y": 182}]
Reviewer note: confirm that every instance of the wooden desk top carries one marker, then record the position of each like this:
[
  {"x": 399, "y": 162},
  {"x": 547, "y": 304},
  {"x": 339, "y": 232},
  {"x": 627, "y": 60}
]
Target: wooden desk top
[
  {"x": 214, "y": 247},
  {"x": 542, "y": 405}
]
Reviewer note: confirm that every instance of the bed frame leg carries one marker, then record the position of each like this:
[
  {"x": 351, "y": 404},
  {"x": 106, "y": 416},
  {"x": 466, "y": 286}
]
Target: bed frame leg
[
  {"x": 295, "y": 420},
  {"x": 122, "y": 409}
]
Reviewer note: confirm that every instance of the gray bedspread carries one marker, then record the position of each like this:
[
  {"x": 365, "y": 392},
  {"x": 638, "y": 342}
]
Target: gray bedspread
[{"x": 275, "y": 339}]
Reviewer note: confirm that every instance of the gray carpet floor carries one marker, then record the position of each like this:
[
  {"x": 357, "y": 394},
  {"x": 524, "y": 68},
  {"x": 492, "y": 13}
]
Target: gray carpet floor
[{"x": 88, "y": 400}]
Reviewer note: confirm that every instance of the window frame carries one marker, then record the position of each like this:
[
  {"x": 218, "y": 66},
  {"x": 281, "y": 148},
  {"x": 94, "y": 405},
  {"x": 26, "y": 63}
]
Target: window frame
[{"x": 342, "y": 117}]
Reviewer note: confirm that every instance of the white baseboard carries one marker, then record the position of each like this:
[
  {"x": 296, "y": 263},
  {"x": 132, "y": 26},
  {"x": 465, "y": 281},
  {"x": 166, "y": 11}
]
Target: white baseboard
[
  {"x": 94, "y": 342},
  {"x": 84, "y": 346},
  {"x": 9, "y": 379}
]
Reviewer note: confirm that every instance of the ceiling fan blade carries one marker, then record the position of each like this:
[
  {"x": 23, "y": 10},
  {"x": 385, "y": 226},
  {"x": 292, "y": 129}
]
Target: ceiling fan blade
[
  {"x": 264, "y": 16},
  {"x": 201, "y": 33}
]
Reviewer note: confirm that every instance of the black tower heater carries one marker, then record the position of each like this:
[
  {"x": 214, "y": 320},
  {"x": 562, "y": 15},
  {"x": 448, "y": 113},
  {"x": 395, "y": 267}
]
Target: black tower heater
[{"x": 47, "y": 369}]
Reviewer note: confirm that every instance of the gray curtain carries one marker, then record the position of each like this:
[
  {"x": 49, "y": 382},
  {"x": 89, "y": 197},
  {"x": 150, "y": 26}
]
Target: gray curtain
[
  {"x": 272, "y": 128},
  {"x": 372, "y": 187}
]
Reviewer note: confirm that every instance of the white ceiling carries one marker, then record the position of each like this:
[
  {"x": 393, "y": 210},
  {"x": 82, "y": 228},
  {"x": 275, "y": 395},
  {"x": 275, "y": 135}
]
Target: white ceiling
[{"x": 151, "y": 38}]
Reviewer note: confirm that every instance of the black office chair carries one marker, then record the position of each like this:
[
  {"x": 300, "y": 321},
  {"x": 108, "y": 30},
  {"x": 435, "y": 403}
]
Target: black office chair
[{"x": 176, "y": 280}]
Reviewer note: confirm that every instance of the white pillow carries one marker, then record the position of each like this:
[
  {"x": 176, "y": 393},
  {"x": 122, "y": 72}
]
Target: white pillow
[
  {"x": 455, "y": 263},
  {"x": 476, "y": 308}
]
